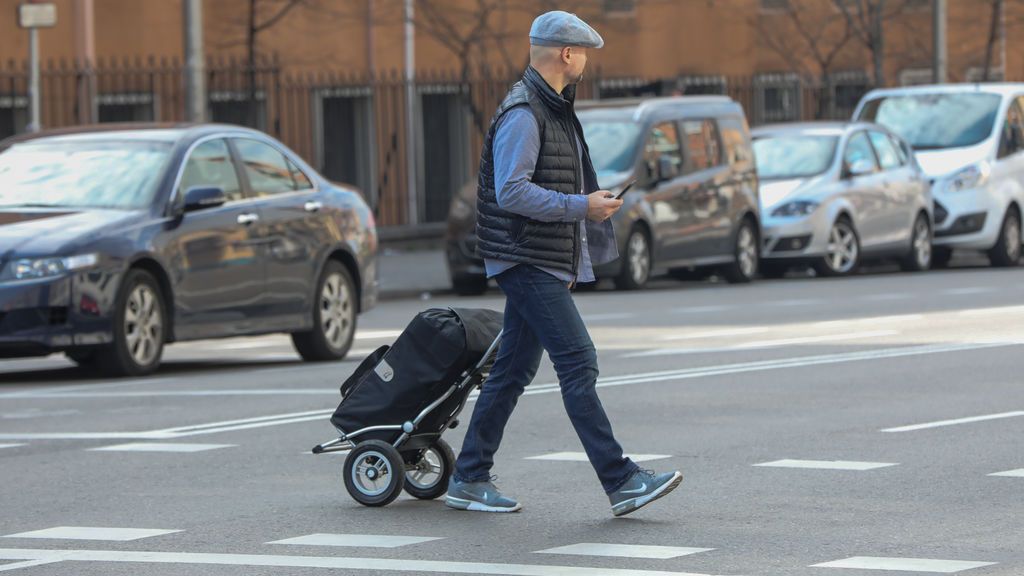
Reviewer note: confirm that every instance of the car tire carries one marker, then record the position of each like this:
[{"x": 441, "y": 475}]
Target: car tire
[
  {"x": 1006, "y": 252},
  {"x": 843, "y": 257},
  {"x": 746, "y": 254},
  {"x": 469, "y": 285},
  {"x": 941, "y": 257},
  {"x": 636, "y": 262},
  {"x": 334, "y": 317},
  {"x": 140, "y": 328},
  {"x": 919, "y": 257}
]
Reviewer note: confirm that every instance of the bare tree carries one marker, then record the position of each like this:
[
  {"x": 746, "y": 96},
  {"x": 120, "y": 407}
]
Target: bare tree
[
  {"x": 867, "y": 20},
  {"x": 809, "y": 40},
  {"x": 993, "y": 36}
]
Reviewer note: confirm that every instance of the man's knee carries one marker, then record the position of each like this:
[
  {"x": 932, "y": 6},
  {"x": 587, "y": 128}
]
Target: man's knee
[{"x": 576, "y": 367}]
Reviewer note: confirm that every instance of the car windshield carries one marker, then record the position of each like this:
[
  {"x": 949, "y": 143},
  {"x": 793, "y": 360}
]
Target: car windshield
[
  {"x": 793, "y": 156},
  {"x": 936, "y": 121},
  {"x": 612, "y": 145},
  {"x": 120, "y": 175}
]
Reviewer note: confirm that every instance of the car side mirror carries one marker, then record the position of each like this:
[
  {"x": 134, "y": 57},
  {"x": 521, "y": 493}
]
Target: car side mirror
[
  {"x": 202, "y": 197},
  {"x": 859, "y": 168},
  {"x": 667, "y": 168}
]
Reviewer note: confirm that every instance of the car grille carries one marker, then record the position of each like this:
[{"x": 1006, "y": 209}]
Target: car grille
[{"x": 32, "y": 318}]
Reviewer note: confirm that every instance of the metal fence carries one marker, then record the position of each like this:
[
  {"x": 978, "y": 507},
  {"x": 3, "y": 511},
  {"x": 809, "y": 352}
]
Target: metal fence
[{"x": 352, "y": 127}]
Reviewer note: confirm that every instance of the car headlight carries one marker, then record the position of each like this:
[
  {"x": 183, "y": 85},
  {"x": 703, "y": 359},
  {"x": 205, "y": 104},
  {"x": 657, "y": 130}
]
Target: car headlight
[
  {"x": 29, "y": 269},
  {"x": 796, "y": 208},
  {"x": 970, "y": 177}
]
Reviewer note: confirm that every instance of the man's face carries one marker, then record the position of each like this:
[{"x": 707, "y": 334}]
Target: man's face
[{"x": 576, "y": 61}]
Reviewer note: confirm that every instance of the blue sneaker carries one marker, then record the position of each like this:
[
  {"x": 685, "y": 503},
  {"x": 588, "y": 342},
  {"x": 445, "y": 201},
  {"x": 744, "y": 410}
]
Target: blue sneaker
[
  {"x": 641, "y": 489},
  {"x": 478, "y": 497}
]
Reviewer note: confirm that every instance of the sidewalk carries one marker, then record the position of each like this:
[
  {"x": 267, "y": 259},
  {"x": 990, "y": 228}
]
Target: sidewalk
[{"x": 411, "y": 273}]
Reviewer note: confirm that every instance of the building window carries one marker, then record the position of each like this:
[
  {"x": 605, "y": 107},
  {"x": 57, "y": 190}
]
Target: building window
[
  {"x": 237, "y": 108},
  {"x": 443, "y": 145},
  {"x": 344, "y": 139},
  {"x": 776, "y": 98},
  {"x": 125, "y": 108},
  {"x": 916, "y": 76},
  {"x": 695, "y": 85},
  {"x": 13, "y": 115},
  {"x": 775, "y": 5},
  {"x": 919, "y": 5},
  {"x": 620, "y": 7},
  {"x": 847, "y": 90}
]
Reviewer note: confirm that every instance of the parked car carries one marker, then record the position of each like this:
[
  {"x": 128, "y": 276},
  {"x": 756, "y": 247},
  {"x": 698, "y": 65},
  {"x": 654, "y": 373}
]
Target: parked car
[
  {"x": 694, "y": 205},
  {"x": 835, "y": 194},
  {"x": 969, "y": 140},
  {"x": 116, "y": 241}
]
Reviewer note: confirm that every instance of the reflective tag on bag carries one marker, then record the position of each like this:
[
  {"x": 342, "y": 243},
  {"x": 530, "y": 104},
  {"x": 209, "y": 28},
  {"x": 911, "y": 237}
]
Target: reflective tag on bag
[{"x": 385, "y": 371}]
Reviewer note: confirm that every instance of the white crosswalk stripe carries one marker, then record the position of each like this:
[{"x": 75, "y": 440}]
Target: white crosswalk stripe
[
  {"x": 355, "y": 540},
  {"x": 624, "y": 550},
  {"x": 160, "y": 447},
  {"x": 826, "y": 464},
  {"x": 904, "y": 564},
  {"x": 92, "y": 533}
]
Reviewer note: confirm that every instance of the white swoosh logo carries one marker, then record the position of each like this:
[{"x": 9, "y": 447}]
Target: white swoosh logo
[{"x": 637, "y": 491}]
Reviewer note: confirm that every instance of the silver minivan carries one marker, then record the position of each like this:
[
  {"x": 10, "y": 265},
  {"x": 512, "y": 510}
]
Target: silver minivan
[{"x": 969, "y": 140}]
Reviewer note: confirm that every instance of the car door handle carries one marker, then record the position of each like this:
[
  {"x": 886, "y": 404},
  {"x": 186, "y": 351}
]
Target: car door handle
[
  {"x": 313, "y": 206},
  {"x": 248, "y": 218}
]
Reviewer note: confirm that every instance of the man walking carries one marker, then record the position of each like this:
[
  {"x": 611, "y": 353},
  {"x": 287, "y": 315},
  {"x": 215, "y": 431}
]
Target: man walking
[{"x": 542, "y": 224}]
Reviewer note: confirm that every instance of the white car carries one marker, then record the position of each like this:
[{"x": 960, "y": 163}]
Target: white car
[
  {"x": 969, "y": 140},
  {"x": 834, "y": 194}
]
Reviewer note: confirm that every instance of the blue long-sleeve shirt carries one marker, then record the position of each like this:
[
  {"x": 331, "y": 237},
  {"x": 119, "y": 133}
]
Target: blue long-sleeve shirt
[{"x": 516, "y": 147}]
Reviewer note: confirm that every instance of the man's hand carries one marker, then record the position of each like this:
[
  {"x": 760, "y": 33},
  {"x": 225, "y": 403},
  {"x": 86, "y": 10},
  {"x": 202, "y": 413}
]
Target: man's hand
[{"x": 601, "y": 205}]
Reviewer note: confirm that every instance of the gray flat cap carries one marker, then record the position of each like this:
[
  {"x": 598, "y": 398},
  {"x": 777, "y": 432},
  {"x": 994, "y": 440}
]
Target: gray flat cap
[{"x": 559, "y": 28}]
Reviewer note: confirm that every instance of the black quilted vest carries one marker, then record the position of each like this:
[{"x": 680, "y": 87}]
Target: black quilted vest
[{"x": 503, "y": 235}]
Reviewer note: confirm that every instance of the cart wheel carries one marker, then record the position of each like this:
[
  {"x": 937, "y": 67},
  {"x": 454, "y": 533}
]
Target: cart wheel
[
  {"x": 374, "y": 473},
  {"x": 429, "y": 479}
]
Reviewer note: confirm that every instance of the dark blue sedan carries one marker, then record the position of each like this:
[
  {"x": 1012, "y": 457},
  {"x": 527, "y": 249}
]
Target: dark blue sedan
[{"x": 117, "y": 241}]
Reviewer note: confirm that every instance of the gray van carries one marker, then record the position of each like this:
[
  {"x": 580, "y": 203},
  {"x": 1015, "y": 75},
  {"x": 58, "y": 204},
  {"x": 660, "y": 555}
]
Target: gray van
[{"x": 694, "y": 207}]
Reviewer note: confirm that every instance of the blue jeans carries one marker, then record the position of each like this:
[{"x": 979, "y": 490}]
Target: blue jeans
[{"x": 540, "y": 315}]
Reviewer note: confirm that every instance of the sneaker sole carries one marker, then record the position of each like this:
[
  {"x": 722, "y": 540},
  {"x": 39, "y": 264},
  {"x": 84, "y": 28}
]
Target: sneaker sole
[
  {"x": 635, "y": 504},
  {"x": 474, "y": 506}
]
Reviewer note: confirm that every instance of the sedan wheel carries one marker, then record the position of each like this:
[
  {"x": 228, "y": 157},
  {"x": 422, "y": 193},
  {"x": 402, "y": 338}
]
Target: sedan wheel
[
  {"x": 139, "y": 328},
  {"x": 334, "y": 317},
  {"x": 843, "y": 255},
  {"x": 920, "y": 256},
  {"x": 636, "y": 264},
  {"x": 744, "y": 265}
]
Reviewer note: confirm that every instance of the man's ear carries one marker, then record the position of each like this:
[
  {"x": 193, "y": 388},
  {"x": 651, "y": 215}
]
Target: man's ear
[{"x": 567, "y": 54}]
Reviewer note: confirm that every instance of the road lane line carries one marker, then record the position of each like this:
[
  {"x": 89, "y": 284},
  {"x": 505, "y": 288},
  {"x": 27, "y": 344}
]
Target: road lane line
[
  {"x": 609, "y": 316},
  {"x": 904, "y": 564},
  {"x": 967, "y": 291},
  {"x": 336, "y": 562},
  {"x": 161, "y": 447},
  {"x": 26, "y": 564},
  {"x": 885, "y": 297},
  {"x": 827, "y": 465},
  {"x": 355, "y": 540},
  {"x": 763, "y": 344},
  {"x": 10, "y": 445},
  {"x": 1019, "y": 473},
  {"x": 954, "y": 422},
  {"x": 377, "y": 334},
  {"x": 624, "y": 551},
  {"x": 716, "y": 334},
  {"x": 534, "y": 389},
  {"x": 702, "y": 309}
]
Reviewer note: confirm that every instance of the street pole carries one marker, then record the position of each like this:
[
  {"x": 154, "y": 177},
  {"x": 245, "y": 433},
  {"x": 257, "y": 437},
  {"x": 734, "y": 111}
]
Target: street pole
[
  {"x": 410, "y": 113},
  {"x": 34, "y": 122},
  {"x": 939, "y": 55},
  {"x": 195, "y": 69}
]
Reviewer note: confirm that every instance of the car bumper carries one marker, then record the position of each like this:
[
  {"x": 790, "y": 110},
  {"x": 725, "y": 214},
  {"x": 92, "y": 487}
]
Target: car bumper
[
  {"x": 38, "y": 317},
  {"x": 795, "y": 238},
  {"x": 970, "y": 219}
]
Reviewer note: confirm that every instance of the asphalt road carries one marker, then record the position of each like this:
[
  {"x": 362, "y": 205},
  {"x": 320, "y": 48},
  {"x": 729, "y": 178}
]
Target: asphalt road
[{"x": 910, "y": 385}]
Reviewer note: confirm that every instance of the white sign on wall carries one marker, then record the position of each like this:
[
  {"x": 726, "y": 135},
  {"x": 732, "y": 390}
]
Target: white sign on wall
[{"x": 42, "y": 15}]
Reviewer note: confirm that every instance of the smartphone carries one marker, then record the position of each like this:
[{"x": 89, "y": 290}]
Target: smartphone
[{"x": 624, "y": 190}]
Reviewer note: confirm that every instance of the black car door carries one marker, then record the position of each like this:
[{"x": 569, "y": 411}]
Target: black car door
[
  {"x": 295, "y": 226},
  {"x": 214, "y": 252}
]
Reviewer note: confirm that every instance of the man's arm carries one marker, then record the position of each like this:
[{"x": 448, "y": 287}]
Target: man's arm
[{"x": 516, "y": 147}]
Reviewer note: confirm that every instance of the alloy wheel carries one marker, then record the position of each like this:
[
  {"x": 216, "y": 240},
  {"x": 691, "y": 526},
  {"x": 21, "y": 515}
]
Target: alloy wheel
[
  {"x": 337, "y": 313},
  {"x": 143, "y": 325}
]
